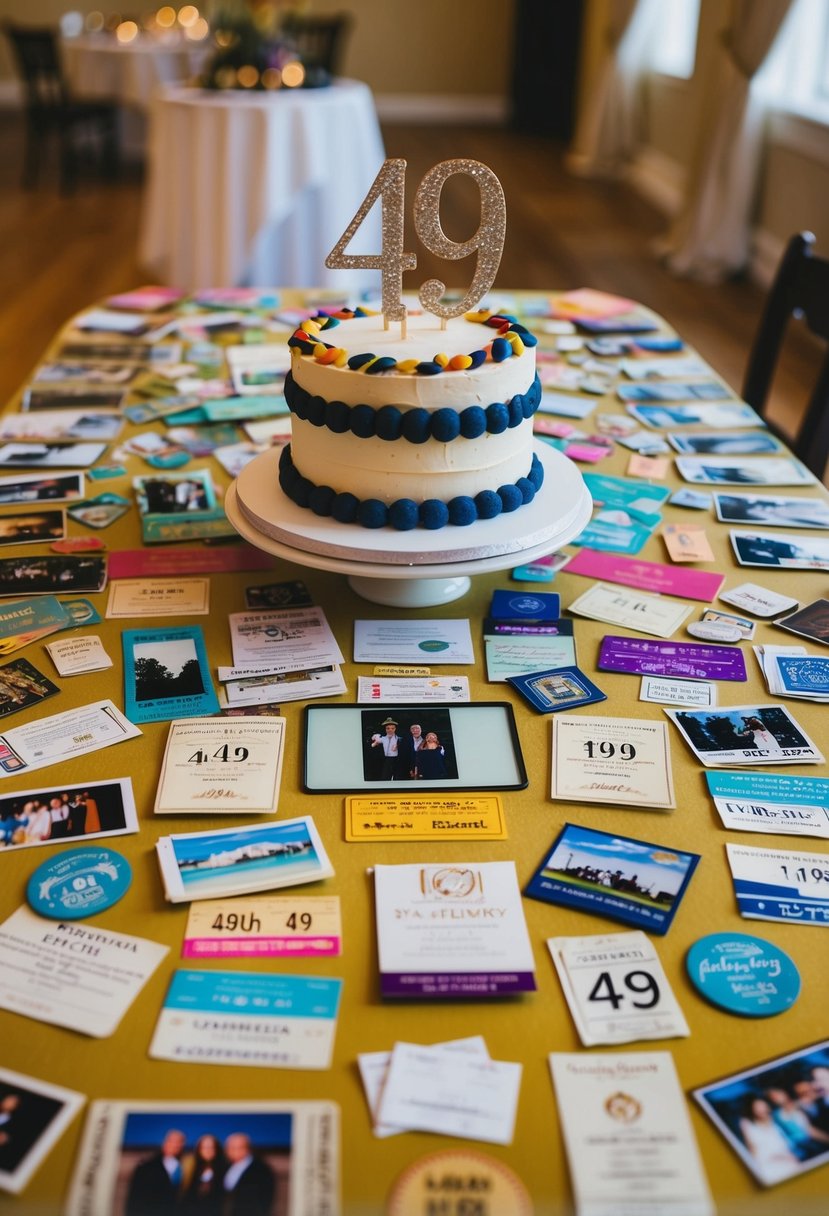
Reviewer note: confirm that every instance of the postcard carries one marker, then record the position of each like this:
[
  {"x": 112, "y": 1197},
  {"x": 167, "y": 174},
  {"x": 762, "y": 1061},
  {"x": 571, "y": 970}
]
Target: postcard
[
  {"x": 50, "y": 455},
  {"x": 643, "y": 613},
  {"x": 24, "y": 621},
  {"x": 211, "y": 764},
  {"x": 557, "y": 689},
  {"x": 687, "y": 543},
  {"x": 759, "y": 601},
  {"x": 99, "y": 512},
  {"x": 422, "y": 1088},
  {"x": 680, "y": 660},
  {"x": 628, "y": 1134},
  {"x": 264, "y": 926},
  {"x": 649, "y": 576},
  {"x": 725, "y": 443},
  {"x": 146, "y": 563},
  {"x": 756, "y": 471},
  {"x": 293, "y": 639},
  {"x": 93, "y": 809},
  {"x": 22, "y": 686},
  {"x": 293, "y": 1146},
  {"x": 725, "y": 413},
  {"x": 48, "y": 575},
  {"x": 35, "y": 1114},
  {"x": 166, "y": 674},
  {"x": 621, "y": 761},
  {"x": 287, "y": 686},
  {"x": 810, "y": 622},
  {"x": 510, "y": 655},
  {"x": 782, "y": 550},
  {"x": 413, "y": 641},
  {"x": 32, "y": 488},
  {"x": 691, "y": 694},
  {"x": 131, "y": 597},
  {"x": 235, "y": 861},
  {"x": 770, "y": 510},
  {"x": 374, "y": 1069},
  {"x": 382, "y": 690},
  {"x": 771, "y": 884},
  {"x": 771, "y": 802},
  {"x": 290, "y": 594},
  {"x": 616, "y": 989},
  {"x": 450, "y": 930},
  {"x": 238, "y": 1018},
  {"x": 63, "y": 736},
  {"x": 629, "y": 880},
  {"x": 464, "y": 817},
  {"x": 94, "y": 993},
  {"x": 745, "y": 734}
]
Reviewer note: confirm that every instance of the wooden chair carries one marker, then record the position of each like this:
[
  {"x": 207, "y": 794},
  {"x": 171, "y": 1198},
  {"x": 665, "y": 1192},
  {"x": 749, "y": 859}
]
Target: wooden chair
[
  {"x": 320, "y": 40},
  {"x": 50, "y": 109},
  {"x": 800, "y": 289}
]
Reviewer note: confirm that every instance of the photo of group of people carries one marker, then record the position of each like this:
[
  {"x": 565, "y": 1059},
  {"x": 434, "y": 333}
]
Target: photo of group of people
[
  {"x": 34, "y": 817},
  {"x": 408, "y": 746},
  {"x": 776, "y": 1115}
]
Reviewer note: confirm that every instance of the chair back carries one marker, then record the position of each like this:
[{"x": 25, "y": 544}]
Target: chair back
[
  {"x": 36, "y": 54},
  {"x": 320, "y": 40},
  {"x": 800, "y": 289}
]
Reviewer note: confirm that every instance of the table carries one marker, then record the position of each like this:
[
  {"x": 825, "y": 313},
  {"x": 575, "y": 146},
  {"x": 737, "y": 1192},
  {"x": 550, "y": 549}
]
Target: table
[
  {"x": 98, "y": 66},
  {"x": 524, "y": 1031},
  {"x": 256, "y": 188}
]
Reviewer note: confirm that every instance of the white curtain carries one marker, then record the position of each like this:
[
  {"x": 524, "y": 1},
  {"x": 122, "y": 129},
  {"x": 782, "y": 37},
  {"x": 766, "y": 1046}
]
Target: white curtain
[
  {"x": 709, "y": 240},
  {"x": 609, "y": 123}
]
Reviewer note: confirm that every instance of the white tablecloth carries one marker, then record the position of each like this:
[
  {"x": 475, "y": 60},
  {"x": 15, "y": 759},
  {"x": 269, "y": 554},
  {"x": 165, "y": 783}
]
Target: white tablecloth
[
  {"x": 99, "y": 66},
  {"x": 255, "y": 188}
]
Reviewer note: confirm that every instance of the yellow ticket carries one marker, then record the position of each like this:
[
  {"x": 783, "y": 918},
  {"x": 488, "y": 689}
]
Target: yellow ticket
[
  {"x": 264, "y": 926},
  {"x": 386, "y": 669},
  {"x": 463, "y": 817}
]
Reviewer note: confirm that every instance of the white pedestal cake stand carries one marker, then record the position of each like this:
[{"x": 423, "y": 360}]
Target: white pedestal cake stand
[{"x": 411, "y": 569}]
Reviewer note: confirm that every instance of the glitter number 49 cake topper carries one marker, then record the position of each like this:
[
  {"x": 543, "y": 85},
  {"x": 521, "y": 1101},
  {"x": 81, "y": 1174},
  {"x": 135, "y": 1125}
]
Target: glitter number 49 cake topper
[{"x": 488, "y": 241}]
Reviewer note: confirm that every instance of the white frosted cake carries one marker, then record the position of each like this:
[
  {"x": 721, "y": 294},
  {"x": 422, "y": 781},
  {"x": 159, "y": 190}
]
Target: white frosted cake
[{"x": 422, "y": 431}]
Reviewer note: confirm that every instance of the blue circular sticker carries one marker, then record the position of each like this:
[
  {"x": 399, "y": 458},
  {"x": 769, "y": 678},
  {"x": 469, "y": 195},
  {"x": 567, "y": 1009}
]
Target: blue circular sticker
[
  {"x": 79, "y": 883},
  {"x": 743, "y": 974}
]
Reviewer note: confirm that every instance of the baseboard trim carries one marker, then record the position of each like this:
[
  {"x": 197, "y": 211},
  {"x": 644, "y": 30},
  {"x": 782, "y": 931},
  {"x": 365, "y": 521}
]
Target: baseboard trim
[
  {"x": 658, "y": 178},
  {"x": 471, "y": 109}
]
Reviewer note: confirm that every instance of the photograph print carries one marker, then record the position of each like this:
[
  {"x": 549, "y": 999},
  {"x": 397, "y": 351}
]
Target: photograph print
[
  {"x": 33, "y": 488},
  {"x": 32, "y": 528},
  {"x": 776, "y": 1114},
  {"x": 732, "y": 471},
  {"x": 408, "y": 745},
  {"x": 166, "y": 674},
  {"x": 772, "y": 511},
  {"x": 725, "y": 443},
  {"x": 783, "y": 551},
  {"x": 68, "y": 812},
  {"x": 52, "y": 575},
  {"x": 629, "y": 880},
  {"x": 745, "y": 734},
  {"x": 170, "y": 494},
  {"x": 33, "y": 1117}
]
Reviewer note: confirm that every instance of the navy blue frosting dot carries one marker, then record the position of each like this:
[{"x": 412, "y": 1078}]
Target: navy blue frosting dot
[
  {"x": 462, "y": 510},
  {"x": 321, "y": 499},
  {"x": 433, "y": 513},
  {"x": 511, "y": 497},
  {"x": 526, "y": 337},
  {"x": 526, "y": 489},
  {"x": 358, "y": 361},
  {"x": 330, "y": 323},
  {"x": 534, "y": 393},
  {"x": 389, "y": 422},
  {"x": 528, "y": 407},
  {"x": 473, "y": 422},
  {"x": 382, "y": 364},
  {"x": 361, "y": 421},
  {"x": 536, "y": 473},
  {"x": 488, "y": 504},
  {"x": 316, "y": 411},
  {"x": 344, "y": 508},
  {"x": 301, "y": 403},
  {"x": 403, "y": 514},
  {"x": 416, "y": 425},
  {"x": 428, "y": 369},
  {"x": 336, "y": 417},
  {"x": 285, "y": 458},
  {"x": 478, "y": 357},
  {"x": 497, "y": 418},
  {"x": 372, "y": 513},
  {"x": 446, "y": 425},
  {"x": 501, "y": 350},
  {"x": 516, "y": 410},
  {"x": 301, "y": 491}
]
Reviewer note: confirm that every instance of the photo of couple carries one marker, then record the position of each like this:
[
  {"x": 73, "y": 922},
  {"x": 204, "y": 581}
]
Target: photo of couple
[{"x": 409, "y": 750}]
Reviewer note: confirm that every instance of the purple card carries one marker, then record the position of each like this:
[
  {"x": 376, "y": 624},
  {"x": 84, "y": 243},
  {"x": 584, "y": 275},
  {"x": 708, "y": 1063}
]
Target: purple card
[{"x": 681, "y": 660}]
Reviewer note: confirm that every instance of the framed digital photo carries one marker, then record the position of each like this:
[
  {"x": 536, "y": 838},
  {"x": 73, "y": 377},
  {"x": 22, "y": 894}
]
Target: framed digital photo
[{"x": 350, "y": 749}]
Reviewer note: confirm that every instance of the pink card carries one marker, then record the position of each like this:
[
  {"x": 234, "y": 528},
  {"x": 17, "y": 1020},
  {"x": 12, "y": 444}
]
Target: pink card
[
  {"x": 655, "y": 468},
  {"x": 648, "y": 576},
  {"x": 543, "y": 425},
  {"x": 142, "y": 563},
  {"x": 146, "y": 299},
  {"x": 588, "y": 452}
]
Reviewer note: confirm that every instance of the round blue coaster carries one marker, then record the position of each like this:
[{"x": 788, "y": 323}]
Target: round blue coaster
[
  {"x": 743, "y": 974},
  {"x": 79, "y": 883}
]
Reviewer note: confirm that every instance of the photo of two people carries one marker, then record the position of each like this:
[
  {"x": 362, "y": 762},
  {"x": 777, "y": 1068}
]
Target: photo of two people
[{"x": 412, "y": 746}]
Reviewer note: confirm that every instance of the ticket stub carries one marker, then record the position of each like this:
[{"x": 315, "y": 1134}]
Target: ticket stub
[
  {"x": 465, "y": 817},
  {"x": 264, "y": 926}
]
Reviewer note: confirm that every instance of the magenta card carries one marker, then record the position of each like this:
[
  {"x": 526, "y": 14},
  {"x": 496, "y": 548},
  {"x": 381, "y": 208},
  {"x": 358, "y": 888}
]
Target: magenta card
[
  {"x": 648, "y": 576},
  {"x": 142, "y": 563}
]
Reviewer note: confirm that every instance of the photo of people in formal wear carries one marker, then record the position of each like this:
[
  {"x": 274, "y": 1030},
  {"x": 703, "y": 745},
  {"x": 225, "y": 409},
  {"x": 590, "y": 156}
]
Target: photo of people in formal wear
[
  {"x": 775, "y": 1115},
  {"x": 46, "y": 816},
  {"x": 204, "y": 1164},
  {"x": 408, "y": 745}
]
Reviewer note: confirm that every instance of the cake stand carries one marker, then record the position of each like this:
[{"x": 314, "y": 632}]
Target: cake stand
[{"x": 414, "y": 569}]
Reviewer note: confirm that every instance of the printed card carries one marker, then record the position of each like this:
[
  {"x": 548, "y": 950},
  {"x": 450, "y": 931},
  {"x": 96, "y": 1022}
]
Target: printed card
[
  {"x": 63, "y": 736},
  {"x": 616, "y": 989},
  {"x": 212, "y": 764},
  {"x": 289, "y": 686},
  {"x": 687, "y": 543},
  {"x": 76, "y": 655},
  {"x": 648, "y": 576},
  {"x": 621, "y": 761},
  {"x": 22, "y": 686},
  {"x": 412, "y": 641},
  {"x": 158, "y": 597},
  {"x": 641, "y": 612},
  {"x": 94, "y": 993},
  {"x": 24, "y": 621},
  {"x": 628, "y": 1135},
  {"x": 679, "y": 660},
  {"x": 690, "y": 694},
  {"x": 463, "y": 817},
  {"x": 725, "y": 443},
  {"x": 522, "y": 652},
  {"x": 743, "y": 471},
  {"x": 166, "y": 674},
  {"x": 774, "y": 885},
  {"x": 374, "y": 1069},
  {"x": 633, "y": 881},
  {"x": 560, "y": 688},
  {"x": 264, "y": 926},
  {"x": 781, "y": 550},
  {"x": 745, "y": 734},
  {"x": 451, "y": 930},
  {"x": 759, "y": 601},
  {"x": 771, "y": 802},
  {"x": 412, "y": 690},
  {"x": 294, "y": 639},
  {"x": 770, "y": 510},
  {"x": 35, "y": 1116},
  {"x": 252, "y": 1018},
  {"x": 88, "y": 809}
]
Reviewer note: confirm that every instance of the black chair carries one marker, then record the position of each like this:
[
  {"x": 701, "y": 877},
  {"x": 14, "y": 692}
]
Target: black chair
[
  {"x": 800, "y": 289},
  {"x": 320, "y": 40},
  {"x": 51, "y": 110}
]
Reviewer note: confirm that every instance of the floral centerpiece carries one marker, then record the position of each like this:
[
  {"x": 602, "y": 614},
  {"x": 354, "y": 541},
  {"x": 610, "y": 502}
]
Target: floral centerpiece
[{"x": 254, "y": 52}]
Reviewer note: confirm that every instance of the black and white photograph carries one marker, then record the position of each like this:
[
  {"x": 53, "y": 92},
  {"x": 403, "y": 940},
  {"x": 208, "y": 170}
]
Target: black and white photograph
[
  {"x": 772, "y": 511},
  {"x": 50, "y": 455},
  {"x": 732, "y": 471},
  {"x": 725, "y": 443},
  {"x": 781, "y": 550}
]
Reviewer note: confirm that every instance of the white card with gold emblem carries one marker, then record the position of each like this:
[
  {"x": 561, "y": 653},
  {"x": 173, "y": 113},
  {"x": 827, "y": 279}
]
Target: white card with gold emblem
[
  {"x": 629, "y": 1141},
  {"x": 225, "y": 765},
  {"x": 621, "y": 761}
]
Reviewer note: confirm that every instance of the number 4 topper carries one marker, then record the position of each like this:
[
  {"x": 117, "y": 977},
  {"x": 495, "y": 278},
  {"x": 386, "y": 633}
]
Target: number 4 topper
[{"x": 488, "y": 241}]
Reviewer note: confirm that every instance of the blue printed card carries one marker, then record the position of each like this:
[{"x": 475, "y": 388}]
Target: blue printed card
[
  {"x": 524, "y": 606},
  {"x": 557, "y": 689},
  {"x": 166, "y": 675}
]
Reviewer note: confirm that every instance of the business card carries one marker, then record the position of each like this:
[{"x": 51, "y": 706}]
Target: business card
[
  {"x": 374, "y": 1069},
  {"x": 132, "y": 597},
  {"x": 264, "y": 926},
  {"x": 643, "y": 613},
  {"x": 759, "y": 601},
  {"x": 411, "y": 690},
  {"x": 288, "y": 639}
]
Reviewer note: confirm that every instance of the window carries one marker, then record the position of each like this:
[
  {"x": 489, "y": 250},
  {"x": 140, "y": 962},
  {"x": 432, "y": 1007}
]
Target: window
[
  {"x": 796, "y": 74},
  {"x": 675, "y": 38}
]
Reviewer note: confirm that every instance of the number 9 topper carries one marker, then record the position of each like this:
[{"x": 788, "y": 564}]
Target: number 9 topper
[{"x": 487, "y": 241}]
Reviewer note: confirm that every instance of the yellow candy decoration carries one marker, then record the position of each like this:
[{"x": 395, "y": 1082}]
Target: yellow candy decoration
[
  {"x": 441, "y": 360},
  {"x": 407, "y": 366},
  {"x": 515, "y": 342}
]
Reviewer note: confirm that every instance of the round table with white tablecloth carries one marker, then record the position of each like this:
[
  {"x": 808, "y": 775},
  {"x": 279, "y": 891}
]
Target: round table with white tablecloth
[{"x": 255, "y": 188}]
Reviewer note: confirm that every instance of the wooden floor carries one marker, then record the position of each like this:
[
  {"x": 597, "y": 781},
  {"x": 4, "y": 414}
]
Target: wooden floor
[{"x": 59, "y": 255}]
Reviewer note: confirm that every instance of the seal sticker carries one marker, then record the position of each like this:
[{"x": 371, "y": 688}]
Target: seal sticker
[
  {"x": 459, "y": 1182},
  {"x": 79, "y": 883},
  {"x": 743, "y": 974}
]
